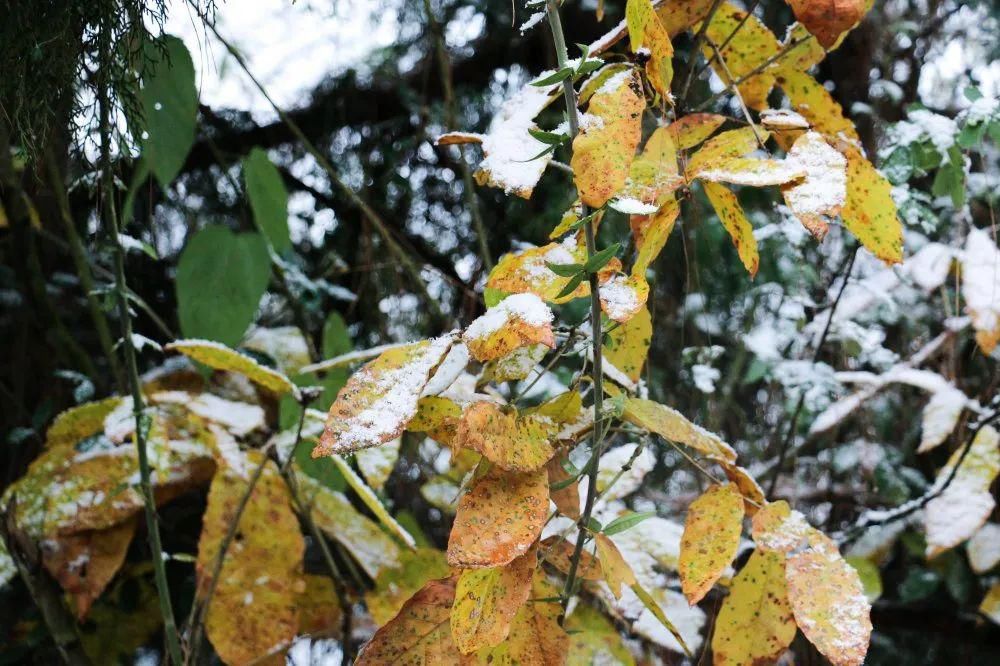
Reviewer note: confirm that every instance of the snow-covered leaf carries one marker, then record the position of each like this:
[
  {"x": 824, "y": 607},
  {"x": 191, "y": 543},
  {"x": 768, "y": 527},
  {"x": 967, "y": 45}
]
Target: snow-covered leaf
[
  {"x": 823, "y": 191},
  {"x": 517, "y": 321},
  {"x": 981, "y": 287},
  {"x": 984, "y": 548},
  {"x": 940, "y": 417},
  {"x": 220, "y": 357},
  {"x": 622, "y": 297}
]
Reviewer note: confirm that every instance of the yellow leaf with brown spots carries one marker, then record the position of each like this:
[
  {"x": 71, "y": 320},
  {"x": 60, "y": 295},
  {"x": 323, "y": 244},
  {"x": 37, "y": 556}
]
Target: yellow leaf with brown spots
[
  {"x": 623, "y": 296},
  {"x": 499, "y": 518},
  {"x": 777, "y": 528},
  {"x": 220, "y": 357},
  {"x": 753, "y": 494},
  {"x": 558, "y": 552},
  {"x": 869, "y": 211},
  {"x": 828, "y": 19},
  {"x": 319, "y": 609},
  {"x": 563, "y": 408},
  {"x": 420, "y": 634},
  {"x": 735, "y": 222},
  {"x": 681, "y": 15},
  {"x": 627, "y": 346},
  {"x": 809, "y": 98},
  {"x": 254, "y": 605},
  {"x": 646, "y": 31},
  {"x": 690, "y": 130},
  {"x": 514, "y": 442},
  {"x": 517, "y": 321},
  {"x": 617, "y": 572},
  {"x": 654, "y": 175},
  {"x": 755, "y": 624},
  {"x": 393, "y": 586},
  {"x": 78, "y": 423},
  {"x": 536, "y": 639},
  {"x": 672, "y": 425},
  {"x": 748, "y": 50},
  {"x": 486, "y": 601},
  {"x": 609, "y": 134},
  {"x": 722, "y": 148},
  {"x": 828, "y": 601},
  {"x": 650, "y": 233},
  {"x": 438, "y": 417},
  {"x": 380, "y": 399},
  {"x": 711, "y": 538}
]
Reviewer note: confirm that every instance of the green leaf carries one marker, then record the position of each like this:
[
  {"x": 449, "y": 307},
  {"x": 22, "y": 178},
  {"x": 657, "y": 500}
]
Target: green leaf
[
  {"x": 950, "y": 181},
  {"x": 565, "y": 270},
  {"x": 268, "y": 198},
  {"x": 221, "y": 277},
  {"x": 170, "y": 105},
  {"x": 549, "y": 138},
  {"x": 598, "y": 261},
  {"x": 623, "y": 523},
  {"x": 570, "y": 286},
  {"x": 556, "y": 77}
]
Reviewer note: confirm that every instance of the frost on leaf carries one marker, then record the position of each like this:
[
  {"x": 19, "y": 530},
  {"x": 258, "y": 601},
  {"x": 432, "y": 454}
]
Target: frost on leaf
[
  {"x": 711, "y": 538},
  {"x": 253, "y": 608},
  {"x": 499, "y": 518},
  {"x": 672, "y": 425},
  {"x": 778, "y": 528},
  {"x": 518, "y": 320},
  {"x": 220, "y": 357},
  {"x": 984, "y": 548},
  {"x": 78, "y": 423},
  {"x": 514, "y": 442},
  {"x": 753, "y": 172},
  {"x": 519, "y": 363},
  {"x": 627, "y": 346},
  {"x": 981, "y": 287},
  {"x": 827, "y": 19},
  {"x": 752, "y": 45},
  {"x": 782, "y": 120},
  {"x": 419, "y": 634},
  {"x": 603, "y": 151},
  {"x": 735, "y": 222},
  {"x": 940, "y": 417},
  {"x": 829, "y": 602},
  {"x": 535, "y": 635},
  {"x": 617, "y": 572},
  {"x": 394, "y": 585},
  {"x": 869, "y": 212},
  {"x": 755, "y": 624},
  {"x": 646, "y": 31},
  {"x": 509, "y": 146},
  {"x": 822, "y": 192},
  {"x": 965, "y": 504},
  {"x": 376, "y": 464},
  {"x": 486, "y": 601},
  {"x": 622, "y": 297},
  {"x": 380, "y": 399}
]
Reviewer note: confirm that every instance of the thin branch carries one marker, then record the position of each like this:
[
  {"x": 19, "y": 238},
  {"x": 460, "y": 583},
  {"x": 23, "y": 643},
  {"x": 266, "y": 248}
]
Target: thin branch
[
  {"x": 725, "y": 42},
  {"x": 695, "y": 50},
  {"x": 756, "y": 70},
  {"x": 736, "y": 91}
]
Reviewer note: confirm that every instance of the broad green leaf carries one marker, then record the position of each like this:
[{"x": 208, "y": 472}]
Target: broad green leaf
[
  {"x": 221, "y": 277},
  {"x": 869, "y": 212},
  {"x": 605, "y": 147},
  {"x": 380, "y": 399},
  {"x": 517, "y": 321},
  {"x": 253, "y": 608},
  {"x": 735, "y": 222},
  {"x": 672, "y": 425},
  {"x": 499, "y": 518},
  {"x": 828, "y": 19},
  {"x": 711, "y": 539},
  {"x": 169, "y": 106},
  {"x": 394, "y": 585},
  {"x": 268, "y": 198},
  {"x": 626, "y": 346},
  {"x": 514, "y": 442},
  {"x": 755, "y": 624},
  {"x": 646, "y": 31},
  {"x": 868, "y": 573},
  {"x": 419, "y": 634},
  {"x": 220, "y": 357},
  {"x": 486, "y": 601}
]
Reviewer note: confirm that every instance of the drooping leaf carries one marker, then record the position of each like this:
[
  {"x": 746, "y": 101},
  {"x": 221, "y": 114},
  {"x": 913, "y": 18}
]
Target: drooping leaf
[
  {"x": 646, "y": 31},
  {"x": 518, "y": 320},
  {"x": 940, "y": 417},
  {"x": 627, "y": 346},
  {"x": 558, "y": 552},
  {"x": 237, "y": 268},
  {"x": 711, "y": 538},
  {"x": 535, "y": 635},
  {"x": 486, "y": 601},
  {"x": 752, "y": 171},
  {"x": 380, "y": 399},
  {"x": 753, "y": 494},
  {"x": 394, "y": 585},
  {"x": 755, "y": 624},
  {"x": 372, "y": 501},
  {"x": 220, "y": 357},
  {"x": 514, "y": 442},
  {"x": 617, "y": 572},
  {"x": 419, "y": 634},
  {"x": 253, "y": 608},
  {"x": 870, "y": 212},
  {"x": 735, "y": 222},
  {"x": 605, "y": 147},
  {"x": 984, "y": 548},
  {"x": 671, "y": 424},
  {"x": 566, "y": 496},
  {"x": 169, "y": 106},
  {"x": 650, "y": 233},
  {"x": 268, "y": 198},
  {"x": 828, "y": 19},
  {"x": 823, "y": 191},
  {"x": 656, "y": 609},
  {"x": 654, "y": 174},
  {"x": 962, "y": 508},
  {"x": 499, "y": 518},
  {"x": 319, "y": 609}
]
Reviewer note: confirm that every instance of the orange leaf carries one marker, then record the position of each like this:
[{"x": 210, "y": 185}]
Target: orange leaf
[
  {"x": 567, "y": 499},
  {"x": 513, "y": 442},
  {"x": 486, "y": 601},
  {"x": 827, "y": 19},
  {"x": 617, "y": 572},
  {"x": 536, "y": 638},
  {"x": 558, "y": 552},
  {"x": 711, "y": 538},
  {"x": 518, "y": 320}
]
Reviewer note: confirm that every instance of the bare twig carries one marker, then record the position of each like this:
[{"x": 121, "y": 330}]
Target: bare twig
[
  {"x": 756, "y": 70},
  {"x": 695, "y": 49}
]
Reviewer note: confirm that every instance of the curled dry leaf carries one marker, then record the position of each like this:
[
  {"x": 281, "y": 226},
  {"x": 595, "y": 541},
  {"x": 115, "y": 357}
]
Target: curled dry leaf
[
  {"x": 827, "y": 19},
  {"x": 380, "y": 399},
  {"x": 499, "y": 518},
  {"x": 711, "y": 538},
  {"x": 486, "y": 601},
  {"x": 220, "y": 357},
  {"x": 753, "y": 494},
  {"x": 514, "y": 442},
  {"x": 755, "y": 624},
  {"x": 566, "y": 498},
  {"x": 558, "y": 552},
  {"x": 517, "y": 321},
  {"x": 646, "y": 31}
]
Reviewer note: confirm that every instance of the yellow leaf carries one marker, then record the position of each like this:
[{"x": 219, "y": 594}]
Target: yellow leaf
[
  {"x": 320, "y": 613},
  {"x": 776, "y": 528},
  {"x": 653, "y": 605},
  {"x": 78, "y": 423},
  {"x": 752, "y": 171},
  {"x": 680, "y": 15},
  {"x": 593, "y": 639},
  {"x": 123, "y": 620},
  {"x": 990, "y": 605},
  {"x": 690, "y": 130},
  {"x": 220, "y": 357},
  {"x": 563, "y": 408},
  {"x": 372, "y": 501},
  {"x": 627, "y": 346},
  {"x": 869, "y": 212},
  {"x": 622, "y": 297},
  {"x": 514, "y": 442},
  {"x": 731, "y": 215},
  {"x": 823, "y": 191},
  {"x": 436, "y": 416},
  {"x": 518, "y": 320},
  {"x": 723, "y": 147},
  {"x": 711, "y": 538},
  {"x": 828, "y": 601},
  {"x": 755, "y": 624},
  {"x": 810, "y": 99},
  {"x": 671, "y": 424},
  {"x": 499, "y": 518},
  {"x": 807, "y": 54},
  {"x": 646, "y": 31},
  {"x": 958, "y": 512},
  {"x": 753, "y": 494},
  {"x": 617, "y": 572},
  {"x": 253, "y": 608},
  {"x": 609, "y": 134},
  {"x": 653, "y": 175},
  {"x": 285, "y": 344},
  {"x": 486, "y": 601},
  {"x": 419, "y": 634},
  {"x": 650, "y": 233},
  {"x": 393, "y": 586},
  {"x": 380, "y": 399},
  {"x": 750, "y": 48},
  {"x": 828, "y": 19},
  {"x": 535, "y": 635}
]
